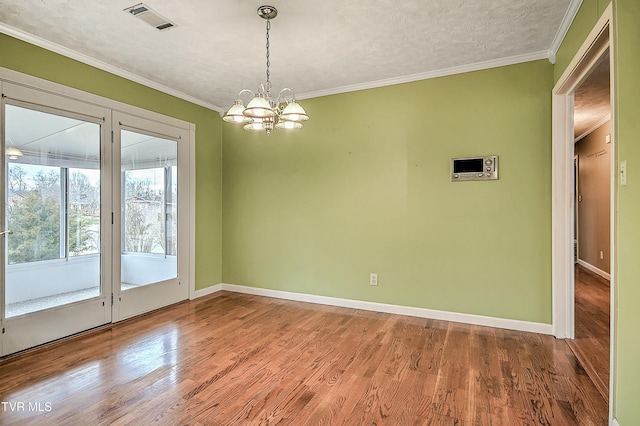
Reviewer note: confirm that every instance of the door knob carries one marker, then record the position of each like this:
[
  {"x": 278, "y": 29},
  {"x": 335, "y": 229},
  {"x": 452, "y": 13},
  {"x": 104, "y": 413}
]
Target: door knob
[{"x": 6, "y": 232}]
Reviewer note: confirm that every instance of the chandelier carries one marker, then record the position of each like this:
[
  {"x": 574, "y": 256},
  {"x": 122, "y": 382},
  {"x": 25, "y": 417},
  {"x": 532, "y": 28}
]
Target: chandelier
[{"x": 262, "y": 113}]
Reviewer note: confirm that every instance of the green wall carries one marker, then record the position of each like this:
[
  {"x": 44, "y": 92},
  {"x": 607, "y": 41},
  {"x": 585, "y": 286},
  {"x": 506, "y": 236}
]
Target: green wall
[
  {"x": 29, "y": 59},
  {"x": 365, "y": 187},
  {"x": 627, "y": 110},
  {"x": 626, "y": 70}
]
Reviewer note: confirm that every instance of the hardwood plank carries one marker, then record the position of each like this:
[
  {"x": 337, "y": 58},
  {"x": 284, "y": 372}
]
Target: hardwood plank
[
  {"x": 238, "y": 359},
  {"x": 592, "y": 330}
]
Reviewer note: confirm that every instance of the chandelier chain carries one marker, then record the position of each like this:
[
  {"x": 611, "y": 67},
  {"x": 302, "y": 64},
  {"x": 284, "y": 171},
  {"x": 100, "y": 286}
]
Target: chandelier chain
[{"x": 268, "y": 63}]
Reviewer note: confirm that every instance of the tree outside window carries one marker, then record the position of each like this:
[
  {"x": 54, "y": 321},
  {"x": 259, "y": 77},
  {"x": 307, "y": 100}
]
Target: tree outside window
[
  {"x": 150, "y": 213},
  {"x": 47, "y": 223}
]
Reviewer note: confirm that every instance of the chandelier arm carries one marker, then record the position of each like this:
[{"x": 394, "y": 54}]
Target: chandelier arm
[
  {"x": 244, "y": 91},
  {"x": 284, "y": 98}
]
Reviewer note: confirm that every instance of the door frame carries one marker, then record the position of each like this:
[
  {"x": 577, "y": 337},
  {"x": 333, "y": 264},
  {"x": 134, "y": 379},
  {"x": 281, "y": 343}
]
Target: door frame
[
  {"x": 598, "y": 41},
  {"x": 72, "y": 94},
  {"x": 576, "y": 212},
  {"x": 133, "y": 302},
  {"x": 34, "y": 328}
]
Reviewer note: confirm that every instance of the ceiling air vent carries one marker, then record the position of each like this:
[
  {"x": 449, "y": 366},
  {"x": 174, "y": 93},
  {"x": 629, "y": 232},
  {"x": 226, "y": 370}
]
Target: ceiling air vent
[{"x": 150, "y": 16}]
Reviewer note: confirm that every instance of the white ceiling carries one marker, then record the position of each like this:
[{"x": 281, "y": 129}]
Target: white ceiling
[{"x": 317, "y": 47}]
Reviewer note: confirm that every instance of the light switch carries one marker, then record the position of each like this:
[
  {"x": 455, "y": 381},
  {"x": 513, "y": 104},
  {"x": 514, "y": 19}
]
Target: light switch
[{"x": 623, "y": 173}]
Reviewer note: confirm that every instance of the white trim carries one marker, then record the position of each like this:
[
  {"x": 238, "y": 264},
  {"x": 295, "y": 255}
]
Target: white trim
[
  {"x": 60, "y": 90},
  {"x": 614, "y": 422},
  {"x": 509, "y": 324},
  {"x": 562, "y": 173},
  {"x": 22, "y": 83},
  {"x": 563, "y": 220},
  {"x": 165, "y": 290},
  {"x": 495, "y": 63},
  {"x": 579, "y": 66},
  {"x": 192, "y": 209},
  {"x": 600, "y": 122},
  {"x": 599, "y": 39},
  {"x": 205, "y": 291},
  {"x": 593, "y": 269},
  {"x": 64, "y": 51},
  {"x": 613, "y": 256},
  {"x": 567, "y": 20}
]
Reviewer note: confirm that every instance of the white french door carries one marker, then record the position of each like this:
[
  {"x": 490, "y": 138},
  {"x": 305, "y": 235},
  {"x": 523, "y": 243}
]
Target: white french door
[
  {"x": 151, "y": 224},
  {"x": 95, "y": 215},
  {"x": 56, "y": 274}
]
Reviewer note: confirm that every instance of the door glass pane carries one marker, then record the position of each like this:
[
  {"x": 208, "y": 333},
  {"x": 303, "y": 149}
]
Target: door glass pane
[
  {"x": 34, "y": 208},
  {"x": 84, "y": 211},
  {"x": 52, "y": 208},
  {"x": 149, "y": 216}
]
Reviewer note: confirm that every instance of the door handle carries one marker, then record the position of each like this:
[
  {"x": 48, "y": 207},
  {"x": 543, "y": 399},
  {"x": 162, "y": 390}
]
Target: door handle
[{"x": 6, "y": 232}]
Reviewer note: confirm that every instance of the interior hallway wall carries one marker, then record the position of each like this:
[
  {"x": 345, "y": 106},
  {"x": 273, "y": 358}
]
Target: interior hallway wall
[{"x": 594, "y": 198}]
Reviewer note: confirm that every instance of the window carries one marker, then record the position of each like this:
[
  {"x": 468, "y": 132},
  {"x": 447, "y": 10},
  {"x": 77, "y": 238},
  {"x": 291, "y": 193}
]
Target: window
[
  {"x": 33, "y": 213},
  {"x": 149, "y": 191},
  {"x": 83, "y": 211},
  {"x": 150, "y": 210},
  {"x": 54, "y": 212}
]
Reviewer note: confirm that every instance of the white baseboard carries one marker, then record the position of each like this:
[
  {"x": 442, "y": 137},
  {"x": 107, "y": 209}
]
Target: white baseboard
[
  {"x": 593, "y": 269},
  {"x": 509, "y": 324},
  {"x": 615, "y": 422},
  {"x": 205, "y": 291}
]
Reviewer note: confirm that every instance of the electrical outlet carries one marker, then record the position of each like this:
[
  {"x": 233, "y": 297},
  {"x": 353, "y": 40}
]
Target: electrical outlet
[{"x": 373, "y": 279}]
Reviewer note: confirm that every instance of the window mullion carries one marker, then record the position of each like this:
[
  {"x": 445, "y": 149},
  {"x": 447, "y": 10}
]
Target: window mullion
[
  {"x": 64, "y": 213},
  {"x": 166, "y": 211}
]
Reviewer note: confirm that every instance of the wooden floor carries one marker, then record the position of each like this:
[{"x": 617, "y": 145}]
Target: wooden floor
[
  {"x": 592, "y": 335},
  {"x": 238, "y": 359}
]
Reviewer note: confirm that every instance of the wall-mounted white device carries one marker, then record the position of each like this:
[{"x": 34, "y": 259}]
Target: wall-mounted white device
[{"x": 474, "y": 168}]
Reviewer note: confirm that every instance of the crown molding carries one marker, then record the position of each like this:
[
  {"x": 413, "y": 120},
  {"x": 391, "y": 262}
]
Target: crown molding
[
  {"x": 69, "y": 53},
  {"x": 478, "y": 66},
  {"x": 599, "y": 123},
  {"x": 567, "y": 20}
]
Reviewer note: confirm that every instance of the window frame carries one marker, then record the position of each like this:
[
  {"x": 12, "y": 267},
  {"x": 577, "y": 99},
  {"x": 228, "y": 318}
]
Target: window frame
[{"x": 64, "y": 228}]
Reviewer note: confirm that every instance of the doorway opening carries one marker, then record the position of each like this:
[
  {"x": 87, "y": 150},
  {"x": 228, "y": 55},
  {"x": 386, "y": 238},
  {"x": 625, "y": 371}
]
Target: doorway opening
[
  {"x": 596, "y": 49},
  {"x": 93, "y": 230},
  {"x": 592, "y": 213}
]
